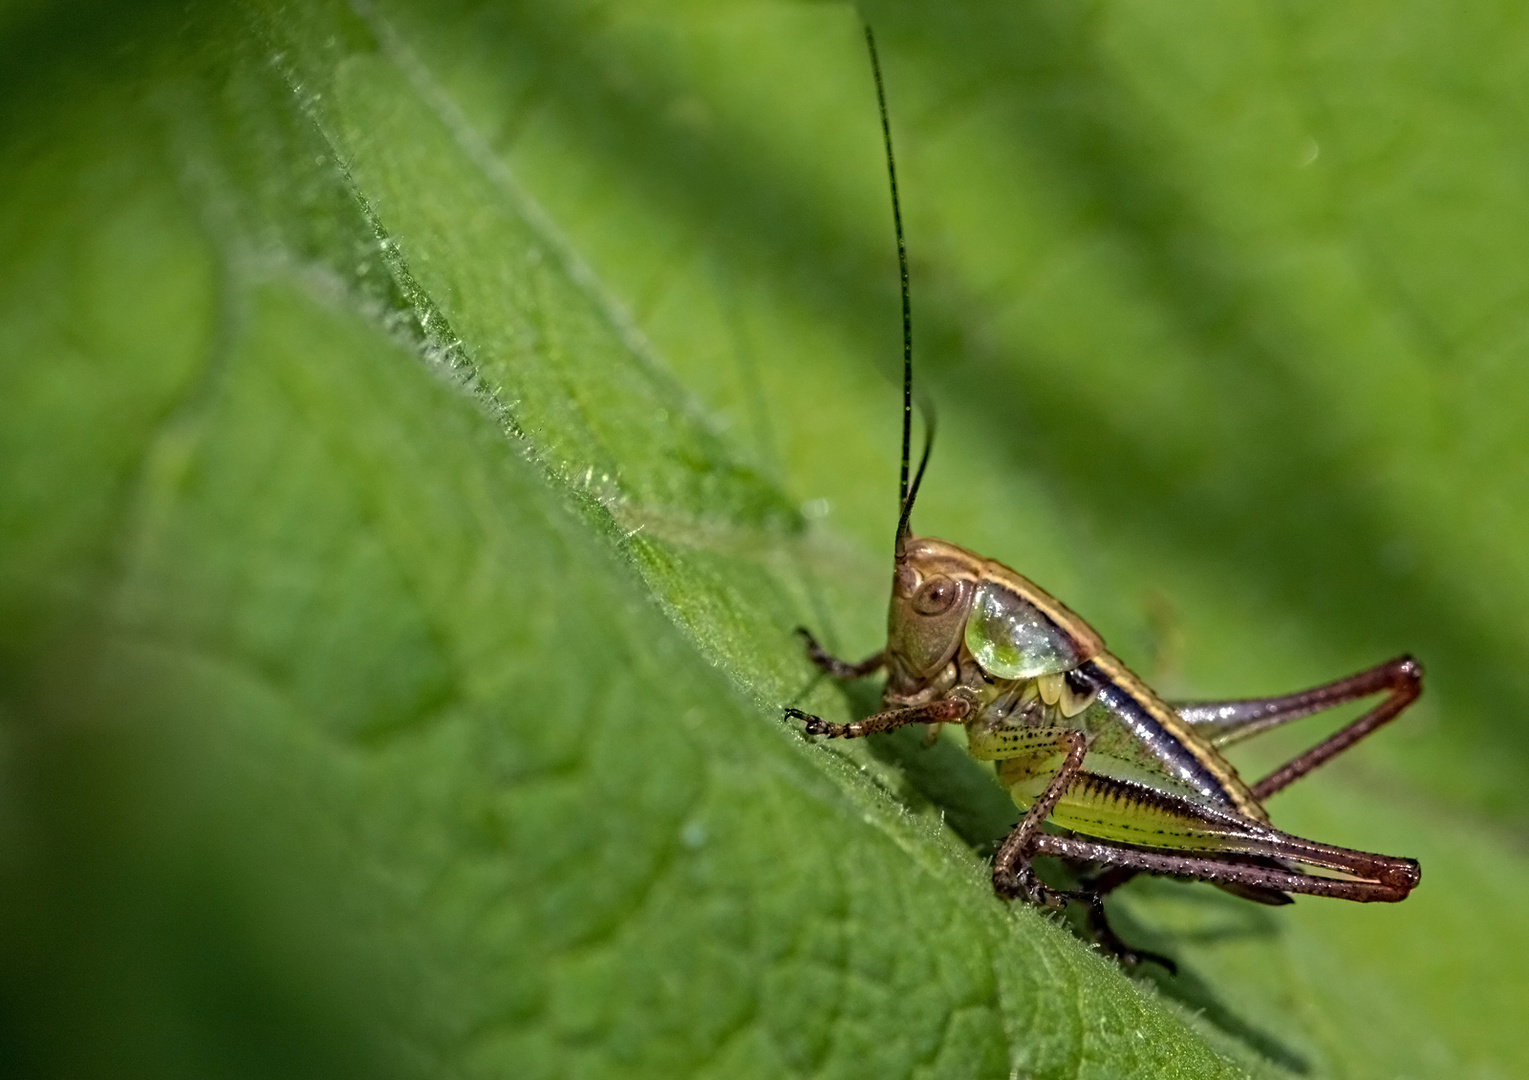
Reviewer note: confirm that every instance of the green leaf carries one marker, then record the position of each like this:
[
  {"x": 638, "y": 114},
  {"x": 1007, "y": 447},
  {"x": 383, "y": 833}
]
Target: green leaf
[{"x": 423, "y": 425}]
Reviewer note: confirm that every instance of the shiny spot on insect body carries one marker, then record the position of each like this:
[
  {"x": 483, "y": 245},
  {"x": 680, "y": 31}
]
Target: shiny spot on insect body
[{"x": 1012, "y": 639}]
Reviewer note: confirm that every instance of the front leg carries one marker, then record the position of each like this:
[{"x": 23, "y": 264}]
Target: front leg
[
  {"x": 1012, "y": 875},
  {"x": 943, "y": 711},
  {"x": 832, "y": 665}
]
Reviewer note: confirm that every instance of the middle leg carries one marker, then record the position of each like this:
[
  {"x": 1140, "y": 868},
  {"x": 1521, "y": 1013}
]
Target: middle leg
[{"x": 1012, "y": 874}]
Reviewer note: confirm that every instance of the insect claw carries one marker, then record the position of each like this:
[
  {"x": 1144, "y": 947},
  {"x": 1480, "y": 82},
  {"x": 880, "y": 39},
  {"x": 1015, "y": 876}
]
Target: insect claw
[
  {"x": 1022, "y": 884},
  {"x": 813, "y": 725}
]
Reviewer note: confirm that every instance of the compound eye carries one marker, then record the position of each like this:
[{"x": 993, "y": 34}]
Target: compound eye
[{"x": 936, "y": 597}]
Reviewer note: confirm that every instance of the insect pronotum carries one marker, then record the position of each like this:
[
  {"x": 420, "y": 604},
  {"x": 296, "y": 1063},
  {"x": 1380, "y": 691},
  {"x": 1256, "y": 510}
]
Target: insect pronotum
[{"x": 1130, "y": 783}]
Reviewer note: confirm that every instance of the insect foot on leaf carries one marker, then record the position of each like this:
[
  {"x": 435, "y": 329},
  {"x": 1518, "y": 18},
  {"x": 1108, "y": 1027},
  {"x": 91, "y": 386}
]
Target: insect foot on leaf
[
  {"x": 1020, "y": 883},
  {"x": 813, "y": 725}
]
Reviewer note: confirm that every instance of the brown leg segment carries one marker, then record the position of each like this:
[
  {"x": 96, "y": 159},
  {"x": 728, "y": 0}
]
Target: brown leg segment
[
  {"x": 832, "y": 665},
  {"x": 1403, "y": 679},
  {"x": 1012, "y": 876},
  {"x": 1227, "y": 722},
  {"x": 1380, "y": 878},
  {"x": 944, "y": 711}
]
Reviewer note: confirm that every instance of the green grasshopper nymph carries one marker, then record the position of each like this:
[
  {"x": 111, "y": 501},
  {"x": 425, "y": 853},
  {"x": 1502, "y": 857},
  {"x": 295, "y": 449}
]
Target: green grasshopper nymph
[{"x": 1133, "y": 784}]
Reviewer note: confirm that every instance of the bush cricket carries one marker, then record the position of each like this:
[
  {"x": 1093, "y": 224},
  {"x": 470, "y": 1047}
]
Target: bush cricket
[{"x": 1130, "y": 783}]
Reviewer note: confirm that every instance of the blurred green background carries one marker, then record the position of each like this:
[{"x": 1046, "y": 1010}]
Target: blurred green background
[{"x": 422, "y": 424}]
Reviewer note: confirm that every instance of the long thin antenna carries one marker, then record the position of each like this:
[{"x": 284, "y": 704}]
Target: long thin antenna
[
  {"x": 904, "y": 503},
  {"x": 918, "y": 477}
]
